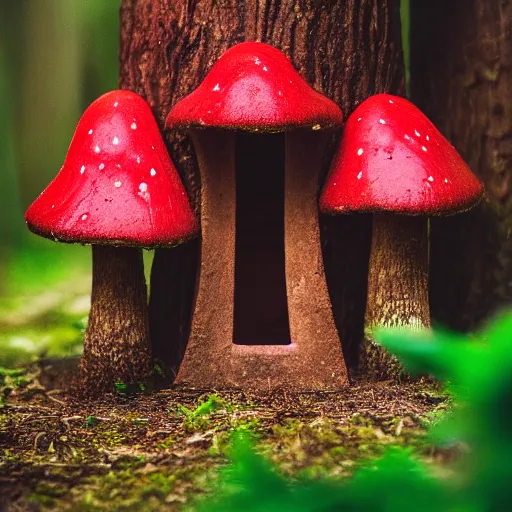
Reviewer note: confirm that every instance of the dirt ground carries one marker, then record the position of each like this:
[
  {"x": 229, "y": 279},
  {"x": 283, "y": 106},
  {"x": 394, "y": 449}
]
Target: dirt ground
[{"x": 160, "y": 450}]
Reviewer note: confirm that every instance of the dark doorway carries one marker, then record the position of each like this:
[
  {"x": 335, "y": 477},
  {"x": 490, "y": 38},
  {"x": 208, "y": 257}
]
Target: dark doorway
[{"x": 261, "y": 309}]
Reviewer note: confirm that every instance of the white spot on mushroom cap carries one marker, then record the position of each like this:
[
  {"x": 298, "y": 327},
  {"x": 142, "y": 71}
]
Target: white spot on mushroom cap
[
  {"x": 152, "y": 172},
  {"x": 428, "y": 138},
  {"x": 279, "y": 93},
  {"x": 424, "y": 148},
  {"x": 84, "y": 216},
  {"x": 138, "y": 159},
  {"x": 359, "y": 119},
  {"x": 117, "y": 184},
  {"x": 90, "y": 131},
  {"x": 417, "y": 133},
  {"x": 133, "y": 126},
  {"x": 82, "y": 169},
  {"x": 391, "y": 101},
  {"x": 360, "y": 151},
  {"x": 153, "y": 147},
  {"x": 360, "y": 175},
  {"x": 115, "y": 141},
  {"x": 381, "y": 121},
  {"x": 257, "y": 61},
  {"x": 97, "y": 149},
  {"x": 101, "y": 167},
  {"x": 406, "y": 137},
  {"x": 216, "y": 88},
  {"x": 430, "y": 178},
  {"x": 265, "y": 68},
  {"x": 53, "y": 206},
  {"x": 446, "y": 180},
  {"x": 143, "y": 191},
  {"x": 116, "y": 104}
]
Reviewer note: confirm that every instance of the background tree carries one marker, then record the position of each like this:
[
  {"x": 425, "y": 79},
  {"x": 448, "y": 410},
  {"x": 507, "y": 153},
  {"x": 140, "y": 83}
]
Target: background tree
[
  {"x": 461, "y": 67},
  {"x": 346, "y": 50}
]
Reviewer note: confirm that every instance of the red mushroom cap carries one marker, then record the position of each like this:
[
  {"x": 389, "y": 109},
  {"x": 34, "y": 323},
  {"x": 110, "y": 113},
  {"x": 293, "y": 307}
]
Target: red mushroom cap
[
  {"x": 254, "y": 87},
  {"x": 392, "y": 158},
  {"x": 118, "y": 185}
]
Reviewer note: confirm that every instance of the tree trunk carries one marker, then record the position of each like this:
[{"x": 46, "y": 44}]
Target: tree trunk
[
  {"x": 462, "y": 79},
  {"x": 345, "y": 50}
]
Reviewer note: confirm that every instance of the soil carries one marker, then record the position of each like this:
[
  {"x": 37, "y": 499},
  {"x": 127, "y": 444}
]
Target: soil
[{"x": 161, "y": 450}]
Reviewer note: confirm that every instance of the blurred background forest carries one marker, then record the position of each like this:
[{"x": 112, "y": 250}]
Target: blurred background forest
[{"x": 56, "y": 56}]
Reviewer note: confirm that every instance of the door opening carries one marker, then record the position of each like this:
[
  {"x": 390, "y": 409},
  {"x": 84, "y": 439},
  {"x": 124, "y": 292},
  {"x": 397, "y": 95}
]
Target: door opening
[{"x": 261, "y": 306}]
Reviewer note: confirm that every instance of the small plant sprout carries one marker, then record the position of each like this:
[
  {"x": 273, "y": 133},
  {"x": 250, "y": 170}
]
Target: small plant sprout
[
  {"x": 394, "y": 163},
  {"x": 106, "y": 195}
]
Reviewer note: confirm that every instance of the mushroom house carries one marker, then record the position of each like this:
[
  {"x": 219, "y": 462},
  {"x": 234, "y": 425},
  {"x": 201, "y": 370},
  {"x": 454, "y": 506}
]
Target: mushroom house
[{"x": 262, "y": 316}]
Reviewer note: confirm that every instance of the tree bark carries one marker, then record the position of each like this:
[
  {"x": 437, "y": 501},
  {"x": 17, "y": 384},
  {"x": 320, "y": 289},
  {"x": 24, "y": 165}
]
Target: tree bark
[
  {"x": 345, "y": 49},
  {"x": 462, "y": 79}
]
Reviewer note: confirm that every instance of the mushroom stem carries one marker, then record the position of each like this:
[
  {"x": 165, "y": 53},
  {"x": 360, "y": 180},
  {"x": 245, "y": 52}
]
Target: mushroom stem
[
  {"x": 312, "y": 326},
  {"x": 116, "y": 344},
  {"x": 397, "y": 287},
  {"x": 207, "y": 356}
]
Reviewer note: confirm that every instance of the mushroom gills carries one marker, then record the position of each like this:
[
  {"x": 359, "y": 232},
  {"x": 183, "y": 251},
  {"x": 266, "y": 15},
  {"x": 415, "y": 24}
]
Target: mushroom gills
[{"x": 260, "y": 298}]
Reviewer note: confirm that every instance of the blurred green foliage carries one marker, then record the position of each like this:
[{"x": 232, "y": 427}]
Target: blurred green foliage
[{"x": 479, "y": 371}]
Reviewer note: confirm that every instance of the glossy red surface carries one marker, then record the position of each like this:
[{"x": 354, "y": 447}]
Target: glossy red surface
[
  {"x": 118, "y": 184},
  {"x": 392, "y": 158},
  {"x": 253, "y": 86}
]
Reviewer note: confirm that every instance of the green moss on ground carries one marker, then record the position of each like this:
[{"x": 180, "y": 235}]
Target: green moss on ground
[{"x": 157, "y": 451}]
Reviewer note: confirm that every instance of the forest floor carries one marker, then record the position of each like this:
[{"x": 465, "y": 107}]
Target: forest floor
[{"x": 159, "y": 451}]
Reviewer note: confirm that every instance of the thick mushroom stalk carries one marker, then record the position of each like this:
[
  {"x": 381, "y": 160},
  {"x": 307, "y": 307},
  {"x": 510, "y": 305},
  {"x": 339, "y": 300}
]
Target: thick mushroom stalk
[
  {"x": 118, "y": 320},
  {"x": 314, "y": 359},
  {"x": 312, "y": 324},
  {"x": 211, "y": 332},
  {"x": 397, "y": 286}
]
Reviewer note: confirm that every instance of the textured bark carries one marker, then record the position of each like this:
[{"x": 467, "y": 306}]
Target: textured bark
[
  {"x": 346, "y": 49},
  {"x": 116, "y": 344},
  {"x": 462, "y": 79},
  {"x": 397, "y": 286}
]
